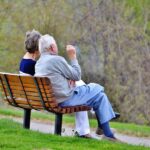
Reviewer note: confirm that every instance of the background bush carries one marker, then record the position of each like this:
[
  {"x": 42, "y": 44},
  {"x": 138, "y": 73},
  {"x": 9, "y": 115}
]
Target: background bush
[{"x": 112, "y": 36}]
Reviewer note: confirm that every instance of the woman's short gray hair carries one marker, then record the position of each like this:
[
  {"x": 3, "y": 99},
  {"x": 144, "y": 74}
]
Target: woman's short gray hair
[
  {"x": 31, "y": 41},
  {"x": 45, "y": 42}
]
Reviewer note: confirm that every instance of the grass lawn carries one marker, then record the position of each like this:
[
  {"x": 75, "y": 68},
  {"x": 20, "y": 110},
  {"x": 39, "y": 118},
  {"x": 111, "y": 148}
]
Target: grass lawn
[
  {"x": 127, "y": 128},
  {"x": 13, "y": 136}
]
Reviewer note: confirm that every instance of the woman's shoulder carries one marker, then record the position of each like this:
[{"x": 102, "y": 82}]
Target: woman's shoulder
[{"x": 25, "y": 60}]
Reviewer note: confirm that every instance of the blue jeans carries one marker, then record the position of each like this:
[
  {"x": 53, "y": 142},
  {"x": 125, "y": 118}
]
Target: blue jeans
[{"x": 92, "y": 95}]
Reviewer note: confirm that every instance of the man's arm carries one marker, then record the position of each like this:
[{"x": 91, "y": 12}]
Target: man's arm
[{"x": 72, "y": 71}]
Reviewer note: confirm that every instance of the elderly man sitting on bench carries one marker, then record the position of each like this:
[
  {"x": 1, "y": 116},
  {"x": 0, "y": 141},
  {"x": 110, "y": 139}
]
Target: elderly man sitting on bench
[{"x": 62, "y": 77}]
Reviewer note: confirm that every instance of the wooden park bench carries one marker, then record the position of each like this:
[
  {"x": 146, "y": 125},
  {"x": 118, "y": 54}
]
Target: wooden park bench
[{"x": 28, "y": 92}]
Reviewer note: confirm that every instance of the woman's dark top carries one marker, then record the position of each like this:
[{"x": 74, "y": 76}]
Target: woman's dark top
[{"x": 27, "y": 66}]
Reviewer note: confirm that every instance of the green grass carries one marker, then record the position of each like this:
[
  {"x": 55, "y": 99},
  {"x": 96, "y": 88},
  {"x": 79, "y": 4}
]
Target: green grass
[
  {"x": 38, "y": 115},
  {"x": 132, "y": 129},
  {"x": 13, "y": 136},
  {"x": 126, "y": 128}
]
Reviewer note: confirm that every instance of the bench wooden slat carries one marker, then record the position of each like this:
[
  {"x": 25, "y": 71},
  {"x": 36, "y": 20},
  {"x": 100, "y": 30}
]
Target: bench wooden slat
[
  {"x": 46, "y": 87},
  {"x": 31, "y": 86},
  {"x": 30, "y": 89},
  {"x": 32, "y": 102},
  {"x": 16, "y": 92},
  {"x": 21, "y": 90},
  {"x": 28, "y": 107},
  {"x": 25, "y": 79},
  {"x": 28, "y": 79},
  {"x": 50, "y": 101},
  {"x": 35, "y": 98}
]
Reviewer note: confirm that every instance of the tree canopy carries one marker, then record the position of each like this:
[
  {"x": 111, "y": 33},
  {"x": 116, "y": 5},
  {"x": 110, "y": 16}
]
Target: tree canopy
[{"x": 113, "y": 37}]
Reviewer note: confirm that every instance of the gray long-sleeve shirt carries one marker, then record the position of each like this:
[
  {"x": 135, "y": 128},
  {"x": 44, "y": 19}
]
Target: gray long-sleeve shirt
[{"x": 59, "y": 72}]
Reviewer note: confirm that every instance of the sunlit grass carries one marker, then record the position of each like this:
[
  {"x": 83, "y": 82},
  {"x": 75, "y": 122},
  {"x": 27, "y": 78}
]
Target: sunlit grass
[
  {"x": 127, "y": 128},
  {"x": 13, "y": 136}
]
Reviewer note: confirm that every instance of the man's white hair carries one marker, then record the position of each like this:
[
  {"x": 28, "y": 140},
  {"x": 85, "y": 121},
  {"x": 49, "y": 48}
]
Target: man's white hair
[{"x": 45, "y": 42}]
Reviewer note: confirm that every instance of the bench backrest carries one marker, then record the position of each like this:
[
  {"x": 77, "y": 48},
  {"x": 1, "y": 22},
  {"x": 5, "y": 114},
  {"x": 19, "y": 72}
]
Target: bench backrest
[{"x": 27, "y": 91}]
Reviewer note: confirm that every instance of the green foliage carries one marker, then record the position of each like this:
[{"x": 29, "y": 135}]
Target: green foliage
[{"x": 113, "y": 36}]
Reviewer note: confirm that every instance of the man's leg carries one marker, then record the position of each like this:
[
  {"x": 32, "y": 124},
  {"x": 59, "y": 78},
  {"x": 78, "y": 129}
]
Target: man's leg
[
  {"x": 93, "y": 95},
  {"x": 82, "y": 123},
  {"x": 102, "y": 110}
]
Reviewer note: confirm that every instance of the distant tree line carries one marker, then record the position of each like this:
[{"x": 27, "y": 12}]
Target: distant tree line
[{"x": 112, "y": 36}]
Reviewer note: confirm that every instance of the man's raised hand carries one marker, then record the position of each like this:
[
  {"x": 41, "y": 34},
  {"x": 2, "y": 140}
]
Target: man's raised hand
[{"x": 71, "y": 52}]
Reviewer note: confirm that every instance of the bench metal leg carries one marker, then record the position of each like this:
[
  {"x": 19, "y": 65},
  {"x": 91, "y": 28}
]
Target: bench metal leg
[
  {"x": 26, "y": 119},
  {"x": 58, "y": 124}
]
